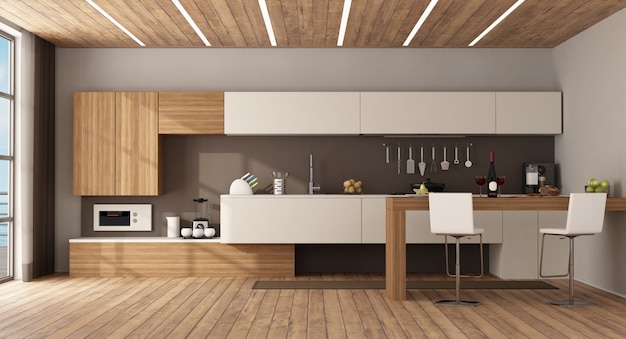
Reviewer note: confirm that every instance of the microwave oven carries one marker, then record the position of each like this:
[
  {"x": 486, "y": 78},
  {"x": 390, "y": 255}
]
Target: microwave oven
[{"x": 122, "y": 217}]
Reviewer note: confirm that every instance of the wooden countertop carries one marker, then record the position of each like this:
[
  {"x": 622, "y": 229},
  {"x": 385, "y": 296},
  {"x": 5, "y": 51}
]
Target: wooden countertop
[{"x": 506, "y": 203}]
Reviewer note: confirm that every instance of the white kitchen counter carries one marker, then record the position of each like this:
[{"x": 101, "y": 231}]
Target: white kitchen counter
[
  {"x": 140, "y": 239},
  {"x": 304, "y": 196}
]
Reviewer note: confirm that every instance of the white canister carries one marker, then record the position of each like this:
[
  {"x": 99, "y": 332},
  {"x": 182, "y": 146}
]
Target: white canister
[{"x": 173, "y": 227}]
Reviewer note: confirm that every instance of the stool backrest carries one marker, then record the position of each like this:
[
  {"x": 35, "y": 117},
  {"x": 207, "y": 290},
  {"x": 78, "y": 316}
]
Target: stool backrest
[
  {"x": 585, "y": 213},
  {"x": 451, "y": 213}
]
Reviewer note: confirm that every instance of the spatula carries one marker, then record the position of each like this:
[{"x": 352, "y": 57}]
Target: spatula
[
  {"x": 410, "y": 163},
  {"x": 422, "y": 165},
  {"x": 445, "y": 165}
]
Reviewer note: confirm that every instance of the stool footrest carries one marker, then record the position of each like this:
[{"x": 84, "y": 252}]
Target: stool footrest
[
  {"x": 570, "y": 303},
  {"x": 457, "y": 303}
]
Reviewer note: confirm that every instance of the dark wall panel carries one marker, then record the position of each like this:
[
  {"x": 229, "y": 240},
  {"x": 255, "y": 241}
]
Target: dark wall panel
[{"x": 206, "y": 165}]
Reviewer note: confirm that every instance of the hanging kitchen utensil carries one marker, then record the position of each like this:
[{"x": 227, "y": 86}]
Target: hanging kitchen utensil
[
  {"x": 410, "y": 163},
  {"x": 433, "y": 165},
  {"x": 468, "y": 163},
  {"x": 445, "y": 165},
  {"x": 386, "y": 152},
  {"x": 456, "y": 155},
  {"x": 399, "y": 160},
  {"x": 422, "y": 165}
]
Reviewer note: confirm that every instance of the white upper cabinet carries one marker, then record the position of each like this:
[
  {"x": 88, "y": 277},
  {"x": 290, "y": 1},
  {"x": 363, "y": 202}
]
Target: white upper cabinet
[
  {"x": 528, "y": 113},
  {"x": 291, "y": 113},
  {"x": 428, "y": 113}
]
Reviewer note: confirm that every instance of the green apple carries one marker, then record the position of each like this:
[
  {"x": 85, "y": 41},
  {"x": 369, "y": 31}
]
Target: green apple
[
  {"x": 600, "y": 189},
  {"x": 593, "y": 182},
  {"x": 589, "y": 189},
  {"x": 605, "y": 184}
]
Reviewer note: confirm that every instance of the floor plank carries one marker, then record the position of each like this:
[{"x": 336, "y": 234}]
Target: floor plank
[{"x": 58, "y": 306}]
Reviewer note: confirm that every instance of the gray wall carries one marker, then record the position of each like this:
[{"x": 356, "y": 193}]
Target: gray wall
[
  {"x": 592, "y": 73},
  {"x": 272, "y": 70}
]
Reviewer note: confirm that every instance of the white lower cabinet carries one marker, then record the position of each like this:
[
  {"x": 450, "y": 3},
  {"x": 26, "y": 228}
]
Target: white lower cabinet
[
  {"x": 516, "y": 257},
  {"x": 513, "y": 236},
  {"x": 373, "y": 220},
  {"x": 418, "y": 225},
  {"x": 556, "y": 249},
  {"x": 418, "y": 228},
  {"x": 290, "y": 219},
  {"x": 519, "y": 254}
]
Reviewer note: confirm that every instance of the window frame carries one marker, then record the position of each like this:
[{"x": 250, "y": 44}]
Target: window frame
[{"x": 10, "y": 157}]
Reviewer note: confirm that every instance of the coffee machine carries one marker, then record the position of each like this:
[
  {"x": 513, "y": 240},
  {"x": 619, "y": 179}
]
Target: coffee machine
[{"x": 537, "y": 174}]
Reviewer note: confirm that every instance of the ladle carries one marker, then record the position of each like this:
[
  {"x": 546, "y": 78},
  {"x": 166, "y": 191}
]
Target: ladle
[{"x": 468, "y": 163}]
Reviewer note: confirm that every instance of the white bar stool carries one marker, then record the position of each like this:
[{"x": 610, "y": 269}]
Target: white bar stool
[
  {"x": 452, "y": 214},
  {"x": 585, "y": 216}
]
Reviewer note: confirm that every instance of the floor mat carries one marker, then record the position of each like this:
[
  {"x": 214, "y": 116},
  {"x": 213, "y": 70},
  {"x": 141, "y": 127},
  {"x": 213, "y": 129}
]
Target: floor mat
[{"x": 379, "y": 284}]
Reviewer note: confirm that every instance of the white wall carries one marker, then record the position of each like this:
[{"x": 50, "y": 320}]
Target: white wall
[
  {"x": 274, "y": 69},
  {"x": 592, "y": 74}
]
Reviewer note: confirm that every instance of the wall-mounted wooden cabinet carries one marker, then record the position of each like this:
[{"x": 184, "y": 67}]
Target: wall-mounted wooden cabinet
[
  {"x": 191, "y": 113},
  {"x": 94, "y": 143},
  {"x": 116, "y": 144},
  {"x": 291, "y": 113},
  {"x": 528, "y": 113},
  {"x": 428, "y": 113}
]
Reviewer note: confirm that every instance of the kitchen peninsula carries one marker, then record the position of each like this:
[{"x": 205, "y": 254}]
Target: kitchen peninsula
[{"x": 396, "y": 228}]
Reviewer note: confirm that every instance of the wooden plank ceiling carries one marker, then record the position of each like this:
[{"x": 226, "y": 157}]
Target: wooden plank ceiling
[{"x": 308, "y": 23}]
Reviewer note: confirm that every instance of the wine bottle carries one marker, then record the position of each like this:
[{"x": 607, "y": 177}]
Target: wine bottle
[{"x": 492, "y": 183}]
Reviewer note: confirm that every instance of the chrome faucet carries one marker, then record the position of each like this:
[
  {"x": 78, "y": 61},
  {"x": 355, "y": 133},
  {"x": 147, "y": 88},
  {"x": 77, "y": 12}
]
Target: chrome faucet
[{"x": 312, "y": 187}]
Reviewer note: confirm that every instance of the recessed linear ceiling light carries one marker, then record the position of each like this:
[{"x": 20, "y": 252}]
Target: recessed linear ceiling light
[
  {"x": 268, "y": 22},
  {"x": 344, "y": 21},
  {"x": 110, "y": 18},
  {"x": 420, "y": 22},
  {"x": 495, "y": 23},
  {"x": 193, "y": 25}
]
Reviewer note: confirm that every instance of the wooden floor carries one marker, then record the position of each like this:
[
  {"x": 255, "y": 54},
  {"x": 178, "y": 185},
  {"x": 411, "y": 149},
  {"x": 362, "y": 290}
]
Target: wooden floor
[{"x": 62, "y": 307}]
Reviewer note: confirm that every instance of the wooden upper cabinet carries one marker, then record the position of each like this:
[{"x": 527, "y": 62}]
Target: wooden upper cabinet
[
  {"x": 138, "y": 144},
  {"x": 116, "y": 144},
  {"x": 94, "y": 143},
  {"x": 191, "y": 113}
]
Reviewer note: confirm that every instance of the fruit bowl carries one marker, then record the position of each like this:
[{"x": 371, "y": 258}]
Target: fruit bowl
[
  {"x": 598, "y": 186},
  {"x": 351, "y": 186},
  {"x": 589, "y": 189},
  {"x": 431, "y": 186}
]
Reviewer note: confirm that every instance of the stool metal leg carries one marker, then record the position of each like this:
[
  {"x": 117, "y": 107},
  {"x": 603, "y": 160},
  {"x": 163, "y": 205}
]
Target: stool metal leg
[
  {"x": 571, "y": 302},
  {"x": 457, "y": 301}
]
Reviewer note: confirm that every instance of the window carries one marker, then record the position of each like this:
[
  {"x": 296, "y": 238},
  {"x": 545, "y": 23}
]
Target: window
[{"x": 6, "y": 155}]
